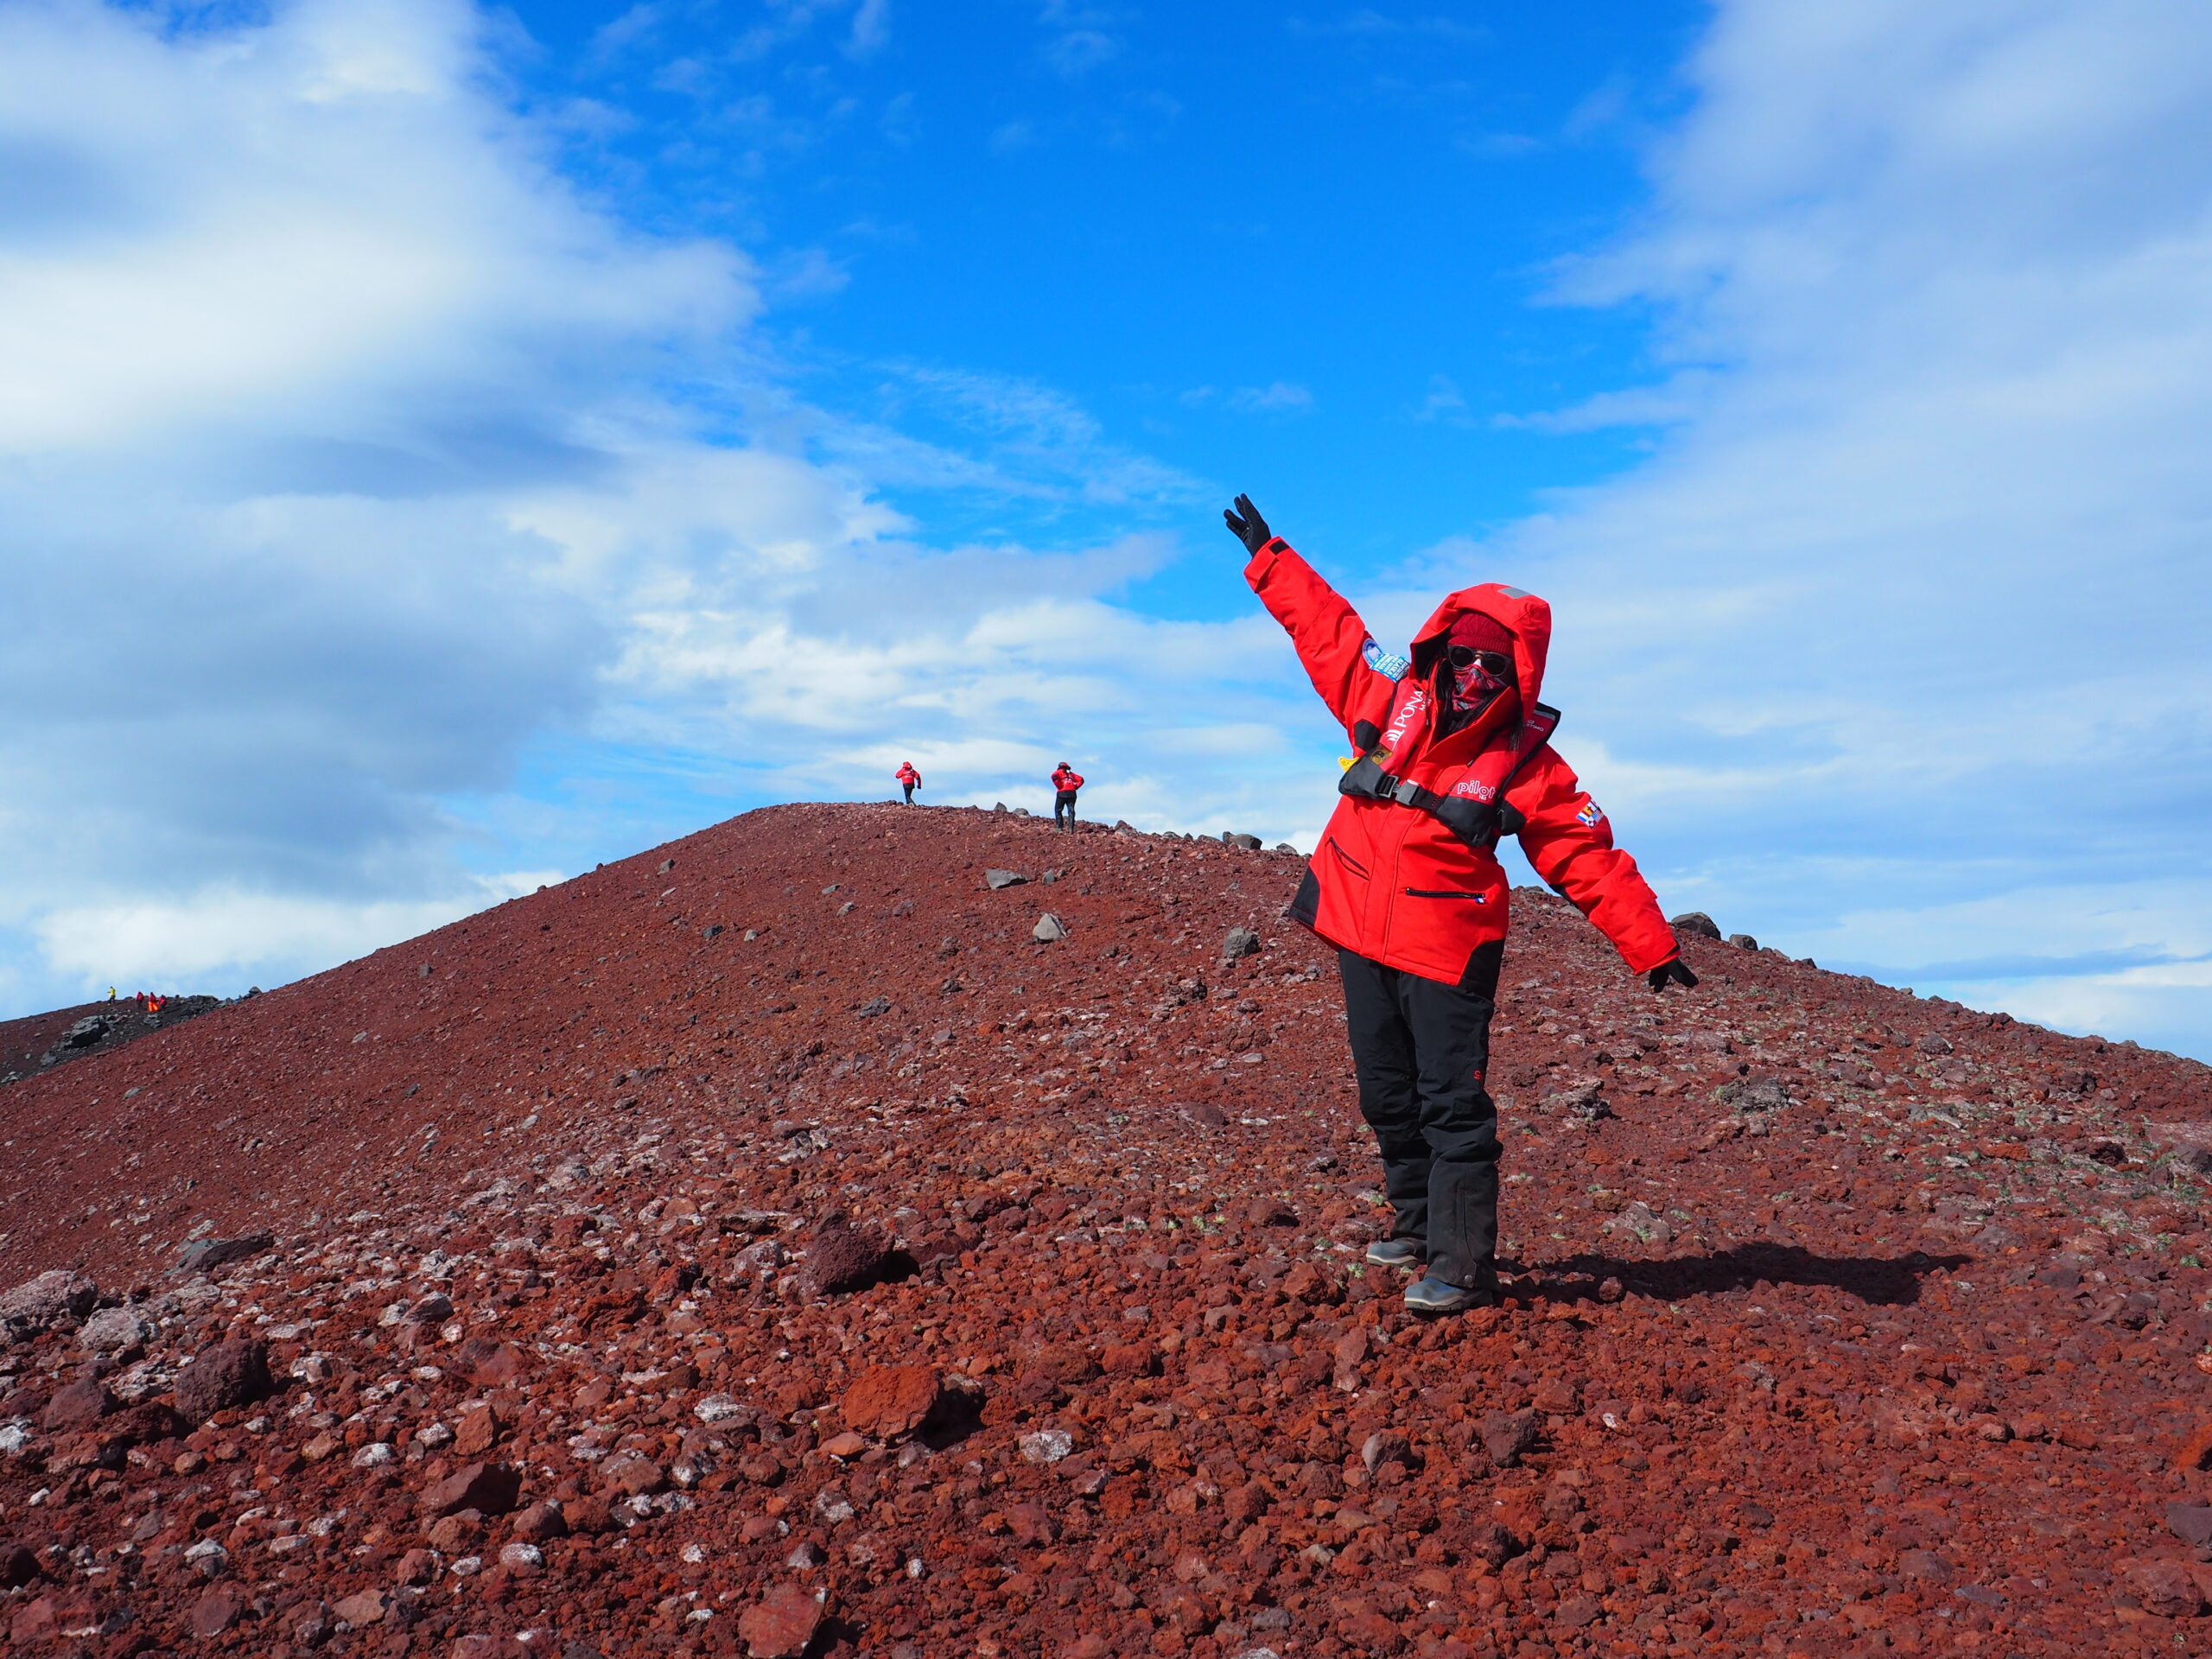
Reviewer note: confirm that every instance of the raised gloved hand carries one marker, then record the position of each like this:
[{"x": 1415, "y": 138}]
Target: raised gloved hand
[
  {"x": 1250, "y": 529},
  {"x": 1676, "y": 971}
]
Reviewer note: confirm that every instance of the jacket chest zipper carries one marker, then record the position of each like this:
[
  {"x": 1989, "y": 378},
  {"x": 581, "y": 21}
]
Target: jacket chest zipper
[{"x": 1410, "y": 751}]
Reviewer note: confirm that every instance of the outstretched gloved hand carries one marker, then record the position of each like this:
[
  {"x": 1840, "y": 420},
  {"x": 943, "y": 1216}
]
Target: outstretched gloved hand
[
  {"x": 1250, "y": 529},
  {"x": 1677, "y": 971}
]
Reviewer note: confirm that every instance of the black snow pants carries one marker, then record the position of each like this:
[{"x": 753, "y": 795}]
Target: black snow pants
[
  {"x": 1064, "y": 809},
  {"x": 909, "y": 788},
  {"x": 1420, "y": 1050}
]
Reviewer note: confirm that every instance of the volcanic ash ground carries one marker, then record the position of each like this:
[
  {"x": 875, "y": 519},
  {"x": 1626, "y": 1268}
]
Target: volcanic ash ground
[{"x": 786, "y": 1241}]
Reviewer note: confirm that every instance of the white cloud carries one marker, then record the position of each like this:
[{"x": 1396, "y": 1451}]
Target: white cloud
[
  {"x": 1679, "y": 399},
  {"x": 1604, "y": 105},
  {"x": 808, "y": 274},
  {"x": 337, "y": 479},
  {"x": 2159, "y": 1007},
  {"x": 1075, "y": 47},
  {"x": 232, "y": 934},
  {"x": 343, "y": 197},
  {"x": 1277, "y": 398},
  {"x": 989, "y": 665},
  {"x": 1445, "y": 402},
  {"x": 2113, "y": 927},
  {"x": 339, "y": 476},
  {"x": 1926, "y": 548},
  {"x": 288, "y": 308},
  {"x": 1006, "y": 435},
  {"x": 871, "y": 30}
]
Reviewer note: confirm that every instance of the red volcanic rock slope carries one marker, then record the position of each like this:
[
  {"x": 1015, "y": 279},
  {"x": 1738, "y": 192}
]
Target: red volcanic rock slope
[{"x": 767, "y": 1245}]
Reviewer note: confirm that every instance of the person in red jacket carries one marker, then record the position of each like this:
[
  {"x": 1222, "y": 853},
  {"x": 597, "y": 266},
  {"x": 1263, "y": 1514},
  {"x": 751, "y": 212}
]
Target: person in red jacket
[
  {"x": 1450, "y": 750},
  {"x": 909, "y": 779},
  {"x": 1065, "y": 781}
]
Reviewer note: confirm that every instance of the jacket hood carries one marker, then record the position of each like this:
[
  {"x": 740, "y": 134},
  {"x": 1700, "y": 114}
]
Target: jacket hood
[{"x": 1529, "y": 618}]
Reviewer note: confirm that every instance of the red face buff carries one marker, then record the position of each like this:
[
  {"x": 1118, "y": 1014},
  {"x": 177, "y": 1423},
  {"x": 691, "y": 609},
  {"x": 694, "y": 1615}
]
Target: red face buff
[{"x": 1479, "y": 653}]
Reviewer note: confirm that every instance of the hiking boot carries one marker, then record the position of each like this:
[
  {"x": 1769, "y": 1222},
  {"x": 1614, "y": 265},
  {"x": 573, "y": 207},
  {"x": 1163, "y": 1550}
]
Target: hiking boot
[
  {"x": 1432, "y": 1298},
  {"x": 1397, "y": 1253}
]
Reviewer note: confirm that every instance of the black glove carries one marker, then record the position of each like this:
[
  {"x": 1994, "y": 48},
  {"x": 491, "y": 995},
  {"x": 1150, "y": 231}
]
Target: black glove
[
  {"x": 1251, "y": 529},
  {"x": 1677, "y": 970}
]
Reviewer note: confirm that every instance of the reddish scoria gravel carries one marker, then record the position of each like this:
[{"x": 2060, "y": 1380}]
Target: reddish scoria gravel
[{"x": 1841, "y": 1321}]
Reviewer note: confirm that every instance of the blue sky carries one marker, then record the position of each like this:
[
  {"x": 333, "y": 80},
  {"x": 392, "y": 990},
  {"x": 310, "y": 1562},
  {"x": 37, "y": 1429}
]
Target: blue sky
[
  {"x": 1244, "y": 244},
  {"x": 442, "y": 448}
]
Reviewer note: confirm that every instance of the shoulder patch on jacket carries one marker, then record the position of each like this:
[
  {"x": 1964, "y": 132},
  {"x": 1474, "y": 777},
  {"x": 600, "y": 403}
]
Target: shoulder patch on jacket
[
  {"x": 1591, "y": 814},
  {"x": 1388, "y": 663}
]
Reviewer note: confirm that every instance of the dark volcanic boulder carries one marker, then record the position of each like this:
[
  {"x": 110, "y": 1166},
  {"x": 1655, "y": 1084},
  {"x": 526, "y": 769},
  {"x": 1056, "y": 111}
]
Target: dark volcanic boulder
[
  {"x": 1697, "y": 922},
  {"x": 78, "y": 1406},
  {"x": 486, "y": 1488},
  {"x": 206, "y": 1254},
  {"x": 2191, "y": 1522},
  {"x": 18, "y": 1567},
  {"x": 842, "y": 1256},
  {"x": 234, "y": 1373},
  {"x": 144, "y": 1424},
  {"x": 1507, "y": 1434},
  {"x": 1492, "y": 1543},
  {"x": 1754, "y": 1094}
]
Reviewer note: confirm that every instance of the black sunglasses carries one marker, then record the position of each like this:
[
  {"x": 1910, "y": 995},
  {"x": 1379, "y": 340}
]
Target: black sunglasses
[{"x": 1494, "y": 663}]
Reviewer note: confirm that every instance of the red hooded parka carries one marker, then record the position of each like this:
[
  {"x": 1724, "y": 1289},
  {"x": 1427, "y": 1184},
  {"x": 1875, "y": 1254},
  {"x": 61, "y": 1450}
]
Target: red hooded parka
[
  {"x": 1389, "y": 881},
  {"x": 1066, "y": 777}
]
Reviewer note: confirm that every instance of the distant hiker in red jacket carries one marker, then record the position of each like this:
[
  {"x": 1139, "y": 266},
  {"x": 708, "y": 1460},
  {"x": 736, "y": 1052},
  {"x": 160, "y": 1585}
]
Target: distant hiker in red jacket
[
  {"x": 1065, "y": 781},
  {"x": 1450, "y": 750},
  {"x": 909, "y": 779}
]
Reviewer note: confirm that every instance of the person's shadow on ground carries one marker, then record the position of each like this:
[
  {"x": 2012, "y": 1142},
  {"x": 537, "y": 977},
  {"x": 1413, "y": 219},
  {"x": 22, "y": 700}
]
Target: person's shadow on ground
[{"x": 1889, "y": 1280}]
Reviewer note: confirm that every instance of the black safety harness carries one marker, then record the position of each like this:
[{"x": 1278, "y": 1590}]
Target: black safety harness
[{"x": 1478, "y": 823}]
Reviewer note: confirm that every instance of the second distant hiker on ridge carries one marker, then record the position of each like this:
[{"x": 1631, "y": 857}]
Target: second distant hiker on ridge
[
  {"x": 1450, "y": 751},
  {"x": 909, "y": 779},
  {"x": 1065, "y": 781}
]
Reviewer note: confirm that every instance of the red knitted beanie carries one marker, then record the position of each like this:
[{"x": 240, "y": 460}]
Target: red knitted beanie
[{"x": 1480, "y": 632}]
